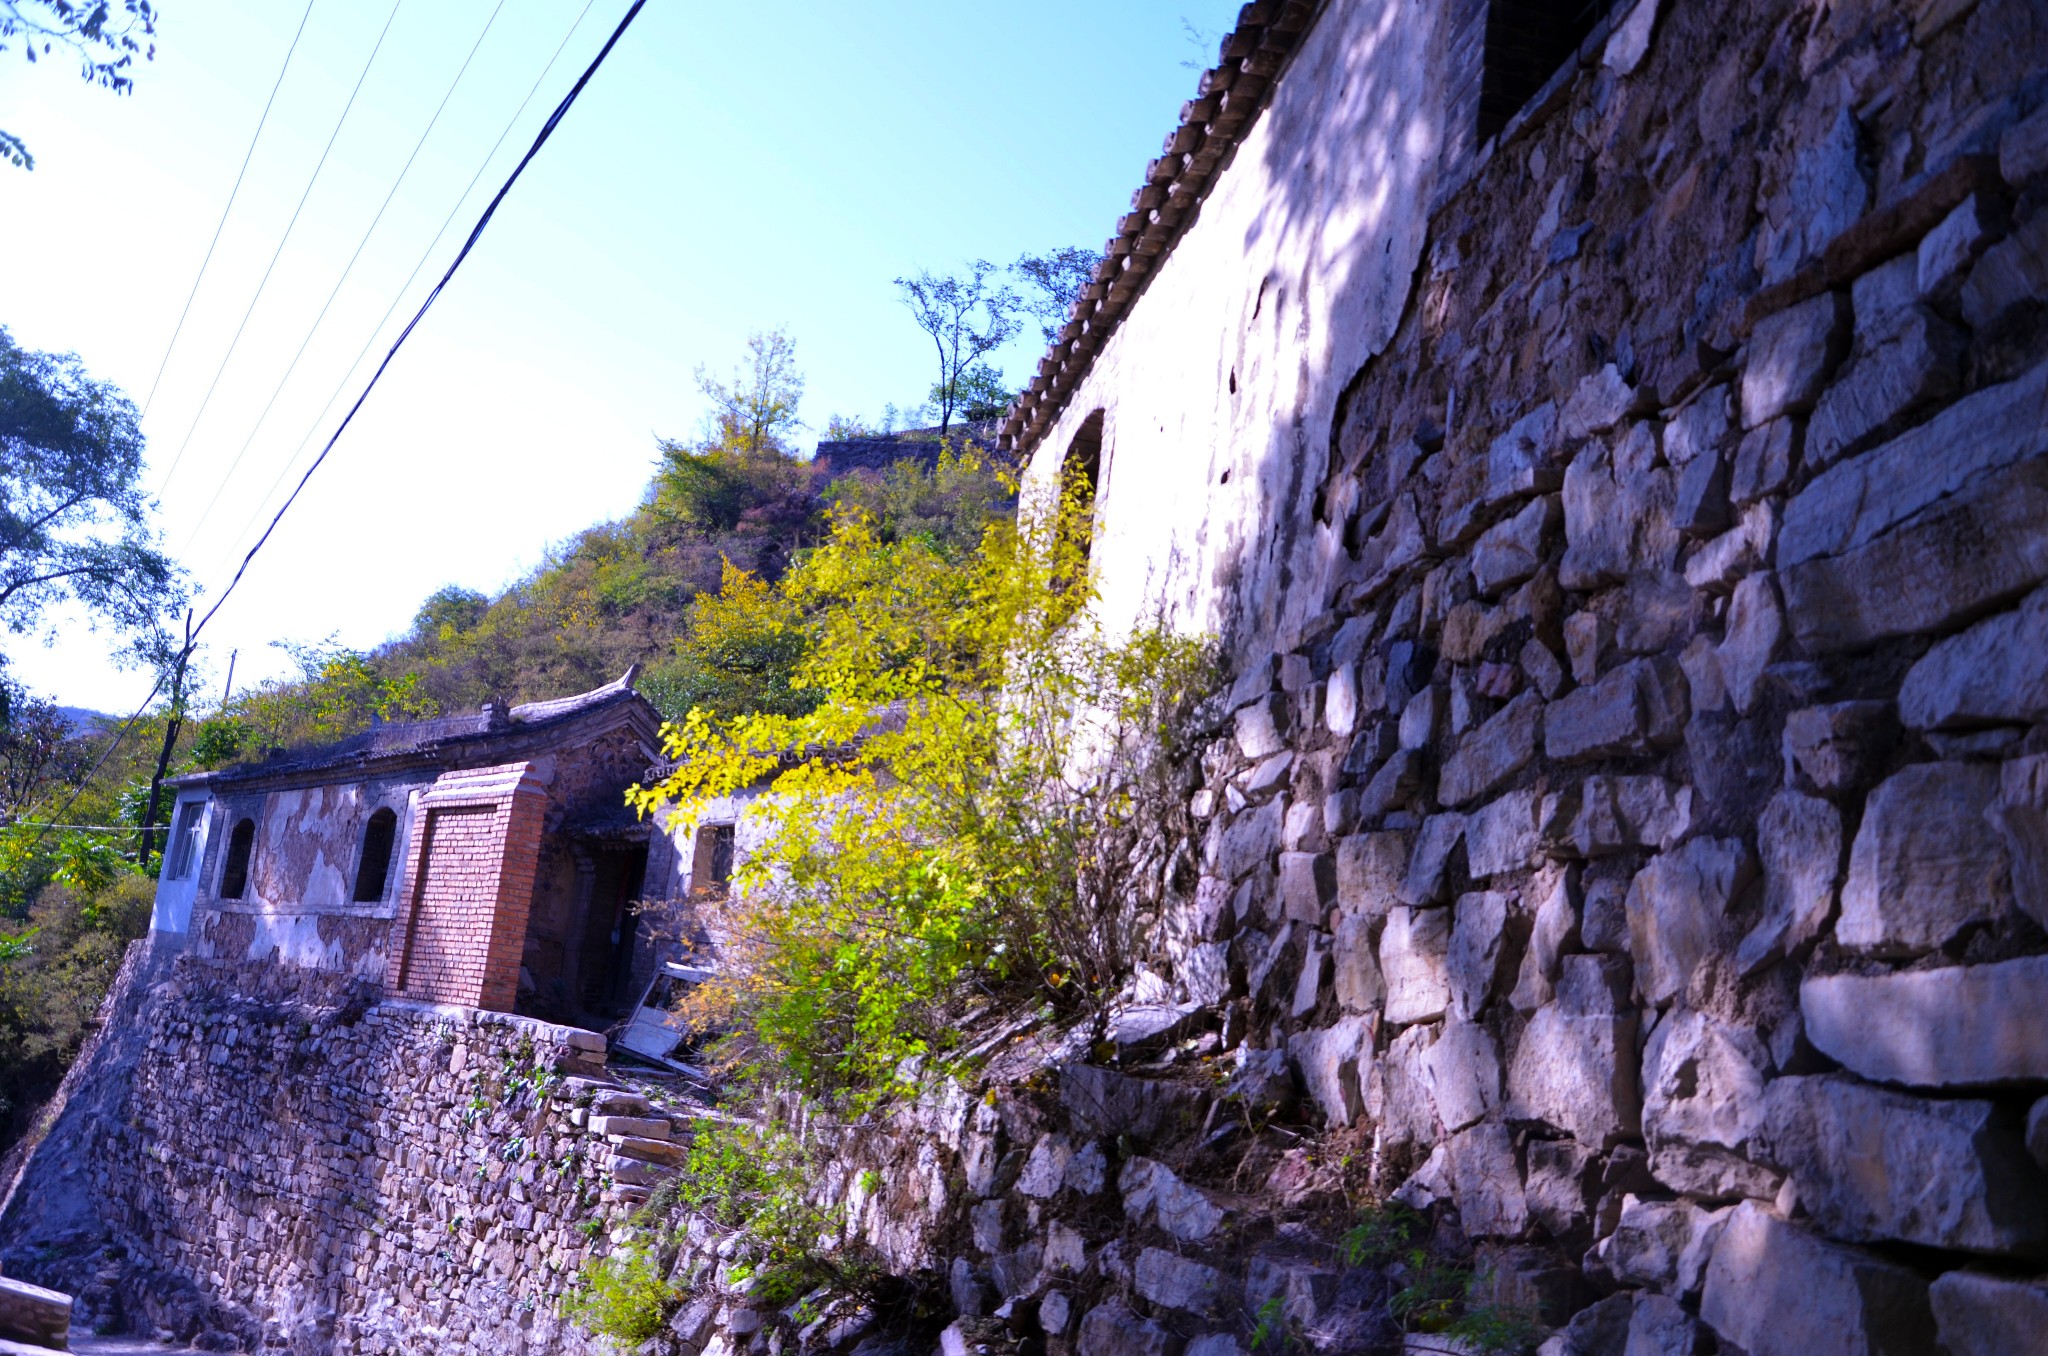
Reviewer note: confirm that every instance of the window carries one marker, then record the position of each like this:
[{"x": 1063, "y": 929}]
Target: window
[
  {"x": 234, "y": 874},
  {"x": 1080, "y": 476},
  {"x": 375, "y": 863},
  {"x": 185, "y": 838},
  {"x": 711, "y": 865},
  {"x": 1526, "y": 41}
]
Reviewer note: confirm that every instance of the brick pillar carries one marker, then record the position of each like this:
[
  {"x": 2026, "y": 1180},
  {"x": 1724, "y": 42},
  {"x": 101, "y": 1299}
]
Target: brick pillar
[{"x": 468, "y": 887}]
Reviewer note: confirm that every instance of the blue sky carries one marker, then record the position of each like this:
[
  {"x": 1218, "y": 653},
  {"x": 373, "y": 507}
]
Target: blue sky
[{"x": 732, "y": 168}]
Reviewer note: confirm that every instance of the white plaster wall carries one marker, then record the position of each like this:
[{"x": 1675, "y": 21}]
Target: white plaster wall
[
  {"x": 172, "y": 912},
  {"x": 1294, "y": 274}
]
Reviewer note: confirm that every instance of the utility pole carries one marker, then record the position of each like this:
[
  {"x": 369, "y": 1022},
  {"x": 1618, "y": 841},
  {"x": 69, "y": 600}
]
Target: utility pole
[
  {"x": 147, "y": 839},
  {"x": 228, "y": 688}
]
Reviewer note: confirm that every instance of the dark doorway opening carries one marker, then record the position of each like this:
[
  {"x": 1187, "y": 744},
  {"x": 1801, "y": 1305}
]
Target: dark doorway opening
[{"x": 610, "y": 931}]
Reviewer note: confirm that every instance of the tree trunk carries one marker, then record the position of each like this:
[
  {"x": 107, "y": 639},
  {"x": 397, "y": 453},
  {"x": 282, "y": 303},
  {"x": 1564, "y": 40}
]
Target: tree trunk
[{"x": 147, "y": 843}]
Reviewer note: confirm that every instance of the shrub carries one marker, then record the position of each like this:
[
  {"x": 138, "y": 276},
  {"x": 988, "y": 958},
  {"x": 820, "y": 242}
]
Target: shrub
[{"x": 623, "y": 1296}]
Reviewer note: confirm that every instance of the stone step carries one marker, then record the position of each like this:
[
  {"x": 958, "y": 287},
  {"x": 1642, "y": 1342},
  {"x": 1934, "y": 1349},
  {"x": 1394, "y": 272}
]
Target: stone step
[{"x": 29, "y": 1313}]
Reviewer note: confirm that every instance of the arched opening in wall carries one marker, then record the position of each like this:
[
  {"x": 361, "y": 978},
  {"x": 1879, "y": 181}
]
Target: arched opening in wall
[
  {"x": 374, "y": 866},
  {"x": 1080, "y": 479},
  {"x": 234, "y": 872},
  {"x": 1526, "y": 42},
  {"x": 607, "y": 969},
  {"x": 184, "y": 840}
]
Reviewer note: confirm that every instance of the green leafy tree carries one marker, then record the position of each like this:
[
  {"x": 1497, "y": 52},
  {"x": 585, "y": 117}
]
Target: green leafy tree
[
  {"x": 978, "y": 393},
  {"x": 966, "y": 316},
  {"x": 450, "y": 611},
  {"x": 1053, "y": 283},
  {"x": 103, "y": 35},
  {"x": 74, "y": 522},
  {"x": 755, "y": 412},
  {"x": 37, "y": 751}
]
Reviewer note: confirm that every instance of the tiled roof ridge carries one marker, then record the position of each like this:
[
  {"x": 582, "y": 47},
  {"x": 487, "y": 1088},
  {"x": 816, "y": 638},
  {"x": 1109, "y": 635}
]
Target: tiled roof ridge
[{"x": 1227, "y": 101}]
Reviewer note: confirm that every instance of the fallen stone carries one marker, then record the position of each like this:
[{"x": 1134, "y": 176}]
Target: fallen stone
[
  {"x": 1329, "y": 1062},
  {"x": 1664, "y": 1245},
  {"x": 1997, "y": 671},
  {"x": 1487, "y": 1182},
  {"x": 1960, "y": 1027},
  {"x": 1923, "y": 866},
  {"x": 1978, "y": 1315},
  {"x": 1933, "y": 571},
  {"x": 1152, "y": 1194},
  {"x": 1113, "y": 1330},
  {"x": 1511, "y": 551},
  {"x": 1677, "y": 911},
  {"x": 1636, "y": 709},
  {"x": 1799, "y": 839},
  {"x": 1839, "y": 747},
  {"x": 1488, "y": 756},
  {"x": 1775, "y": 1290},
  {"x": 1856, "y": 502},
  {"x": 1872, "y": 1165},
  {"x": 1414, "y": 951},
  {"x": 1703, "y": 1095},
  {"x": 1577, "y": 1074},
  {"x": 1463, "y": 1070},
  {"x": 1791, "y": 354}
]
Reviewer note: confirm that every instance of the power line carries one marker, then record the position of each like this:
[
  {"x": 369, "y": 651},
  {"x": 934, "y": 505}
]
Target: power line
[
  {"x": 291, "y": 225},
  {"x": 247, "y": 156},
  {"x": 476, "y": 233},
  {"x": 361, "y": 245},
  {"x": 370, "y": 338}
]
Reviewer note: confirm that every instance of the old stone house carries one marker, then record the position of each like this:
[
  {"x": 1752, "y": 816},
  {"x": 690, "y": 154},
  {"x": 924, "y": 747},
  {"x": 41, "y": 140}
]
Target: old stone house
[{"x": 488, "y": 860}]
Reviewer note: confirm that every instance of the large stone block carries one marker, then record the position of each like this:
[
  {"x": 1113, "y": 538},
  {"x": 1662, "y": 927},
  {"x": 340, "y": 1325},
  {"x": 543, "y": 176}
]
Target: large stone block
[
  {"x": 1678, "y": 908},
  {"x": 1487, "y": 1182},
  {"x": 1997, "y": 671},
  {"x": 1920, "y": 365},
  {"x": 1308, "y": 886},
  {"x": 1926, "y": 863},
  {"x": 1665, "y": 1245},
  {"x": 1577, "y": 1074},
  {"x": 1799, "y": 839},
  {"x": 1247, "y": 842},
  {"x": 1510, "y": 551},
  {"x": 1473, "y": 962},
  {"x": 1872, "y": 1165},
  {"x": 1790, "y": 356},
  {"x": 1488, "y": 756},
  {"x": 1414, "y": 954},
  {"x": 1851, "y": 504},
  {"x": 1637, "y": 708},
  {"x": 1775, "y": 1290},
  {"x": 1113, "y": 1330},
  {"x": 1355, "y": 969},
  {"x": 1960, "y": 1027},
  {"x": 2021, "y": 814},
  {"x": 1838, "y": 747},
  {"x": 1463, "y": 1070},
  {"x": 1370, "y": 870},
  {"x": 1556, "y": 928},
  {"x": 1956, "y": 558},
  {"x": 1501, "y": 836},
  {"x": 1622, "y": 814},
  {"x": 1175, "y": 1282},
  {"x": 1329, "y": 1061},
  {"x": 1978, "y": 1315},
  {"x": 1703, "y": 1086},
  {"x": 1104, "y": 1103}
]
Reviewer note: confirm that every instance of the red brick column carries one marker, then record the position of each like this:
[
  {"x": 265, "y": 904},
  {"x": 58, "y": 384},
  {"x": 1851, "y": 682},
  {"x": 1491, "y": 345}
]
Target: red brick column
[{"x": 468, "y": 887}]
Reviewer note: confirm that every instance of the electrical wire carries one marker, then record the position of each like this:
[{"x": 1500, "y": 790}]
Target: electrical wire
[
  {"x": 221, "y": 225},
  {"x": 192, "y": 632},
  {"x": 370, "y": 338},
  {"x": 291, "y": 225},
  {"x": 325, "y": 306}
]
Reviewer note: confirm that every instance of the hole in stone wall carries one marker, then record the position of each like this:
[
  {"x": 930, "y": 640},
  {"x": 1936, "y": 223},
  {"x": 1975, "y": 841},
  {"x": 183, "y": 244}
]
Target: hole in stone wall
[
  {"x": 1080, "y": 477},
  {"x": 1526, "y": 41},
  {"x": 375, "y": 863},
  {"x": 234, "y": 874}
]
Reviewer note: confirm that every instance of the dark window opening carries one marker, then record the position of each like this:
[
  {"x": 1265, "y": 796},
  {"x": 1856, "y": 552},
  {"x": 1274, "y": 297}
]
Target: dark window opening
[
  {"x": 185, "y": 838},
  {"x": 712, "y": 868},
  {"x": 1080, "y": 478},
  {"x": 375, "y": 863},
  {"x": 1526, "y": 41},
  {"x": 234, "y": 875}
]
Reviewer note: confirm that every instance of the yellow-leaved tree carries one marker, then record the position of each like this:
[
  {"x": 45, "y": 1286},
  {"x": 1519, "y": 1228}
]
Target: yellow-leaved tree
[{"x": 985, "y": 799}]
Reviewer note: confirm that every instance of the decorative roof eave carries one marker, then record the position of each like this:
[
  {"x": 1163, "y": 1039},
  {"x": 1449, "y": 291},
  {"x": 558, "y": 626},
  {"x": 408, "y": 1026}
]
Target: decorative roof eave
[{"x": 1227, "y": 102}]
